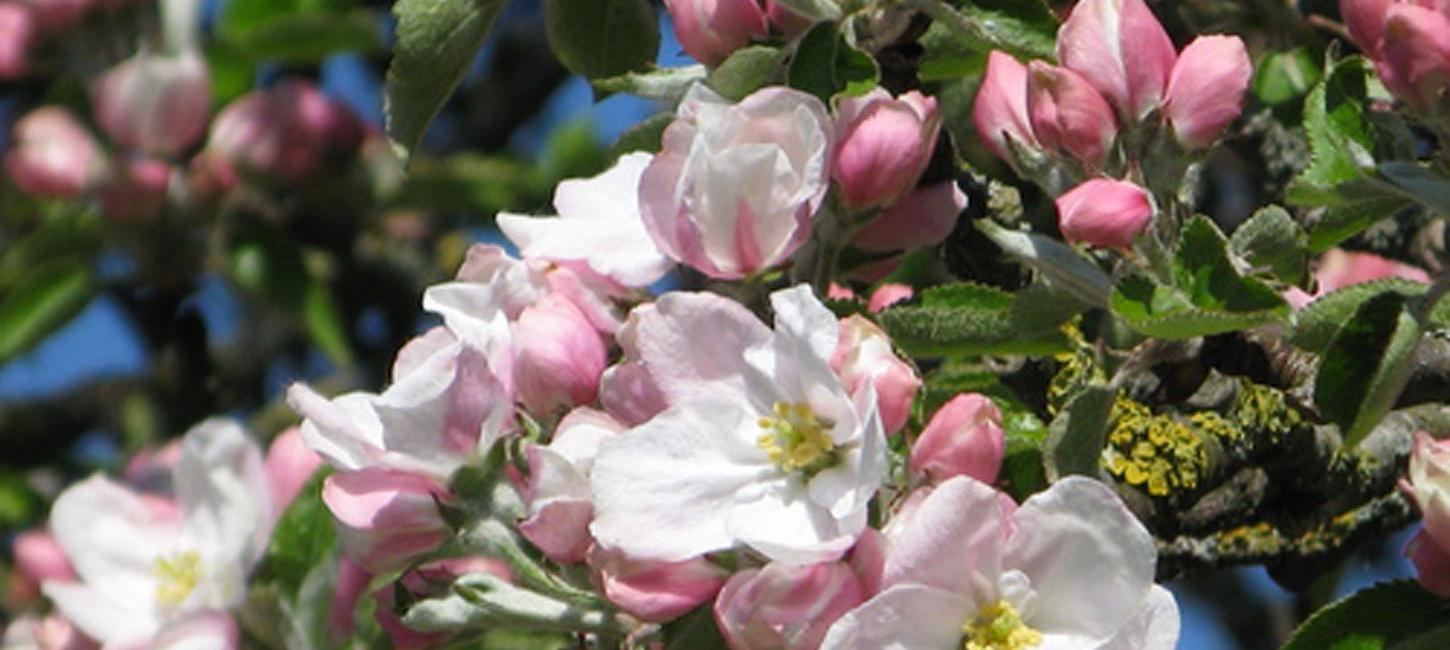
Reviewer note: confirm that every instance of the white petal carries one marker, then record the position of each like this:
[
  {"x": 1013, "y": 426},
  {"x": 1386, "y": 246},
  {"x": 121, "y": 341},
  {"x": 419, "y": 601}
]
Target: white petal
[
  {"x": 221, "y": 486},
  {"x": 112, "y": 537},
  {"x": 953, "y": 541},
  {"x": 105, "y": 616},
  {"x": 475, "y": 314},
  {"x": 663, "y": 490},
  {"x": 345, "y": 430},
  {"x": 437, "y": 416},
  {"x": 1090, "y": 561},
  {"x": 903, "y": 617},
  {"x": 694, "y": 345},
  {"x": 1155, "y": 627},
  {"x": 785, "y": 526}
]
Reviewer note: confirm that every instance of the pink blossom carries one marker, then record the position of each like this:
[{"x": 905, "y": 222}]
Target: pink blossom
[
  {"x": 1339, "y": 268},
  {"x": 1432, "y": 562},
  {"x": 1122, "y": 50},
  {"x": 290, "y": 464},
  {"x": 560, "y": 356},
  {"x": 386, "y": 517},
  {"x": 1000, "y": 110},
  {"x": 53, "y": 632},
  {"x": 882, "y": 145},
  {"x": 963, "y": 438},
  {"x": 289, "y": 132},
  {"x": 1104, "y": 212},
  {"x": 1069, "y": 115},
  {"x": 1207, "y": 89},
  {"x": 17, "y": 35},
  {"x": 863, "y": 357},
  {"x": 887, "y": 295},
  {"x": 1414, "y": 61},
  {"x": 39, "y": 558},
  {"x": 559, "y": 504},
  {"x": 710, "y": 30},
  {"x": 53, "y": 155},
  {"x": 785, "y": 607},
  {"x": 1366, "y": 22},
  {"x": 653, "y": 590},
  {"x": 154, "y": 104},
  {"x": 788, "y": 22}
]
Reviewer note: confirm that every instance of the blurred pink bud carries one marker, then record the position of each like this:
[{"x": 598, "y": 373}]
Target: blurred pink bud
[
  {"x": 290, "y": 464},
  {"x": 1427, "y": 481},
  {"x": 1339, "y": 268},
  {"x": 964, "y": 438},
  {"x": 560, "y": 356},
  {"x": 558, "y": 497},
  {"x": 1206, "y": 92},
  {"x": 785, "y": 607},
  {"x": 352, "y": 582},
  {"x": 1432, "y": 563},
  {"x": 290, "y": 132},
  {"x": 736, "y": 186},
  {"x": 864, "y": 356},
  {"x": 53, "y": 155},
  {"x": 1415, "y": 55},
  {"x": 922, "y": 218},
  {"x": 1069, "y": 115},
  {"x": 385, "y": 517},
  {"x": 654, "y": 591},
  {"x": 209, "y": 176},
  {"x": 56, "y": 16},
  {"x": 1366, "y": 22},
  {"x": 17, "y": 36},
  {"x": 788, "y": 22},
  {"x": 1103, "y": 212},
  {"x": 710, "y": 30},
  {"x": 136, "y": 191},
  {"x": 1000, "y": 110},
  {"x": 53, "y": 632},
  {"x": 1122, "y": 50},
  {"x": 887, "y": 295},
  {"x": 154, "y": 104},
  {"x": 883, "y": 145},
  {"x": 39, "y": 558}
]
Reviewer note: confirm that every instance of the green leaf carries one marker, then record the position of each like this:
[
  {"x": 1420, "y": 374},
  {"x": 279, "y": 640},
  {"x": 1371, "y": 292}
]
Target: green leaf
[
  {"x": 467, "y": 183},
  {"x": 1425, "y": 186},
  {"x": 602, "y": 38},
  {"x": 666, "y": 84},
  {"x": 1339, "y": 133},
  {"x": 436, "y": 42},
  {"x": 946, "y": 57},
  {"x": 1060, "y": 264},
  {"x": 746, "y": 70},
  {"x": 309, "y": 37},
  {"x": 1396, "y": 615},
  {"x": 276, "y": 271},
  {"x": 1314, "y": 327},
  {"x": 694, "y": 631},
  {"x": 303, "y": 537},
  {"x": 824, "y": 65},
  {"x": 1025, "y": 28},
  {"x": 1364, "y": 370},
  {"x": 53, "y": 295},
  {"x": 1273, "y": 240},
  {"x": 967, "y": 319},
  {"x": 813, "y": 10},
  {"x": 1282, "y": 77},
  {"x": 647, "y": 135},
  {"x": 1356, "y": 205},
  {"x": 1076, "y": 436}
]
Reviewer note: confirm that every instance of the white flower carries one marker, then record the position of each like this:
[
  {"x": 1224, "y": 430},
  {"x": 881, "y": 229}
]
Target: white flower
[
  {"x": 1071, "y": 569},
  {"x": 144, "y": 564},
  {"x": 599, "y": 224},
  {"x": 761, "y": 445}
]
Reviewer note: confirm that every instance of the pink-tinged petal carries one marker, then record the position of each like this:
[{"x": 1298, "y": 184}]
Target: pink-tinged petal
[
  {"x": 200, "y": 631},
  {"x": 1432, "y": 563},
  {"x": 1339, "y": 268},
  {"x": 560, "y": 356},
  {"x": 1122, "y": 50},
  {"x": 352, "y": 583},
  {"x": 1206, "y": 92},
  {"x": 1069, "y": 115},
  {"x": 560, "y": 529},
  {"x": 1366, "y": 22},
  {"x": 290, "y": 464},
  {"x": 39, "y": 557},
  {"x": 419, "y": 348},
  {"x": 18, "y": 32},
  {"x": 963, "y": 438},
  {"x": 1428, "y": 482},
  {"x": 883, "y": 145},
  {"x": 559, "y": 503},
  {"x": 386, "y": 517},
  {"x": 904, "y": 617},
  {"x": 136, "y": 191},
  {"x": 154, "y": 104},
  {"x": 103, "y": 615},
  {"x": 1104, "y": 213},
  {"x": 53, "y": 632},
  {"x": 868, "y": 561},
  {"x": 790, "y": 23},
  {"x": 710, "y": 30},
  {"x": 864, "y": 357},
  {"x": 668, "y": 339},
  {"x": 1089, "y": 560},
  {"x": 784, "y": 607},
  {"x": 628, "y": 393},
  {"x": 111, "y": 536},
  {"x": 1415, "y": 55},
  {"x": 53, "y": 155},
  {"x": 1000, "y": 110},
  {"x": 345, "y": 431},
  {"x": 452, "y": 408},
  {"x": 1154, "y": 627},
  {"x": 952, "y": 540},
  {"x": 922, "y": 218},
  {"x": 222, "y": 488},
  {"x": 887, "y": 295},
  {"x": 787, "y": 528},
  {"x": 655, "y": 591}
]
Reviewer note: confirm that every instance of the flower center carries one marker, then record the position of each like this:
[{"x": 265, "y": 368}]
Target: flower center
[
  {"x": 796, "y": 440},
  {"x": 998, "y": 627},
  {"x": 176, "y": 577}
]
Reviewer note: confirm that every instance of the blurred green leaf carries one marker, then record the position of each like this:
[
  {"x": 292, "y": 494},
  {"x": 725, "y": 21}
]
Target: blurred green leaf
[
  {"x": 694, "y": 631},
  {"x": 276, "y": 272},
  {"x": 302, "y": 538},
  {"x": 1425, "y": 186},
  {"x": 1024, "y": 28},
  {"x": 467, "y": 183},
  {"x": 602, "y": 38},
  {"x": 945, "y": 57},
  {"x": 572, "y": 151},
  {"x": 311, "y": 37},
  {"x": 1076, "y": 436},
  {"x": 1398, "y": 615},
  {"x": 1364, "y": 370},
  {"x": 644, "y": 136},
  {"x": 824, "y": 65},
  {"x": 1282, "y": 77},
  {"x": 43, "y": 302},
  {"x": 436, "y": 42},
  {"x": 746, "y": 70}
]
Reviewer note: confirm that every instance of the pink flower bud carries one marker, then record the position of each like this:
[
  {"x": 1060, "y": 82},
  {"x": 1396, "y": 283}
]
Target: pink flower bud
[
  {"x": 883, "y": 145},
  {"x": 863, "y": 355},
  {"x": 1428, "y": 482},
  {"x": 1122, "y": 50},
  {"x": 1000, "y": 110},
  {"x": 1069, "y": 115},
  {"x": 964, "y": 438},
  {"x": 654, "y": 591},
  {"x": 710, "y": 30},
  {"x": 560, "y": 504},
  {"x": 922, "y": 218},
  {"x": 290, "y": 464},
  {"x": 1103, "y": 212},
  {"x": 1366, "y": 22},
  {"x": 290, "y": 132},
  {"x": 785, "y": 607},
  {"x": 137, "y": 191},
  {"x": 154, "y": 104},
  {"x": 385, "y": 517},
  {"x": 39, "y": 558},
  {"x": 788, "y": 22},
  {"x": 1415, "y": 63},
  {"x": 887, "y": 295},
  {"x": 352, "y": 582},
  {"x": 53, "y": 156},
  {"x": 1206, "y": 92},
  {"x": 1432, "y": 563},
  {"x": 17, "y": 36},
  {"x": 560, "y": 356},
  {"x": 1339, "y": 268}
]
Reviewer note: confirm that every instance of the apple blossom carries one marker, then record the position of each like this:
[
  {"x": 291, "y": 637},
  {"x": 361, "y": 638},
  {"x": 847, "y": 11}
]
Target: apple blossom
[
  {"x": 654, "y": 590},
  {"x": 887, "y": 295},
  {"x": 1122, "y": 50},
  {"x": 710, "y": 30},
  {"x": 785, "y": 607},
  {"x": 1206, "y": 91},
  {"x": 1069, "y": 115},
  {"x": 39, "y": 558},
  {"x": 1071, "y": 568},
  {"x": 154, "y": 104},
  {"x": 737, "y": 185},
  {"x": 963, "y": 438},
  {"x": 53, "y": 155},
  {"x": 599, "y": 224},
  {"x": 557, "y": 494},
  {"x": 923, "y": 217},
  {"x": 1414, "y": 61},
  {"x": 560, "y": 356},
  {"x": 386, "y": 517},
  {"x": 288, "y": 132},
  {"x": 1365, "y": 20},
  {"x": 290, "y": 464},
  {"x": 18, "y": 31},
  {"x": 149, "y": 571},
  {"x": 882, "y": 145},
  {"x": 1105, "y": 213},
  {"x": 53, "y": 632},
  {"x": 1428, "y": 483},
  {"x": 761, "y": 445},
  {"x": 1000, "y": 110},
  {"x": 863, "y": 356}
]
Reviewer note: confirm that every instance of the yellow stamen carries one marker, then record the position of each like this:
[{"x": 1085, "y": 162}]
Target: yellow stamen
[
  {"x": 999, "y": 627},
  {"x": 176, "y": 577},
  {"x": 796, "y": 440}
]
